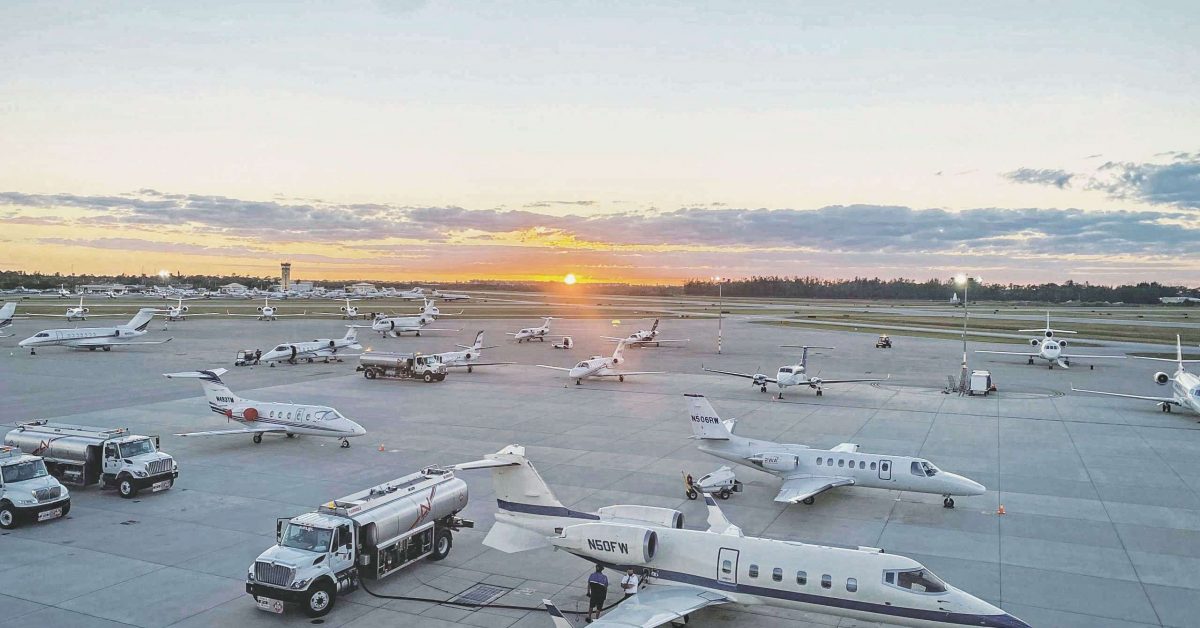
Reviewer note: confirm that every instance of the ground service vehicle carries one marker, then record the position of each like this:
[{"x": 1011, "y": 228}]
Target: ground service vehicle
[
  {"x": 27, "y": 490},
  {"x": 884, "y": 342},
  {"x": 402, "y": 366},
  {"x": 82, "y": 455},
  {"x": 370, "y": 534}
]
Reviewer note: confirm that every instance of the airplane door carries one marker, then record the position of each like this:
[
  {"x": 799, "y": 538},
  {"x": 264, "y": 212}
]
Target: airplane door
[
  {"x": 727, "y": 566},
  {"x": 885, "y": 469}
]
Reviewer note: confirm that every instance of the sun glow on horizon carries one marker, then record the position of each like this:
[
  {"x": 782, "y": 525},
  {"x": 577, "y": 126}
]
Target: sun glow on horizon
[{"x": 569, "y": 279}]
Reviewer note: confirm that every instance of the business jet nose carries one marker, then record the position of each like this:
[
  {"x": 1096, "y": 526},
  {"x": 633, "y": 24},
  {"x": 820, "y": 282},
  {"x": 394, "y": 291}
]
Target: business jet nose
[
  {"x": 357, "y": 430},
  {"x": 24, "y": 343},
  {"x": 965, "y": 486},
  {"x": 1003, "y": 620}
]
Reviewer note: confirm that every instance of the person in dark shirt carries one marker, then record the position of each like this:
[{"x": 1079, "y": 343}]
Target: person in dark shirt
[{"x": 597, "y": 584}]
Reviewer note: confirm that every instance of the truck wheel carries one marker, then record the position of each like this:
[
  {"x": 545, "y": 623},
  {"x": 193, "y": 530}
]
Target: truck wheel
[
  {"x": 441, "y": 377},
  {"x": 8, "y": 516},
  {"x": 126, "y": 488},
  {"x": 320, "y": 600},
  {"x": 442, "y": 542},
  {"x": 369, "y": 373},
  {"x": 66, "y": 509},
  {"x": 428, "y": 377}
]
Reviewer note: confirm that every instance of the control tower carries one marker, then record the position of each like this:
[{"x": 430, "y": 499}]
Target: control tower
[{"x": 285, "y": 276}]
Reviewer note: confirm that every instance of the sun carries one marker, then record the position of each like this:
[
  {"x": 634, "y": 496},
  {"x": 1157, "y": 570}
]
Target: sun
[{"x": 569, "y": 279}]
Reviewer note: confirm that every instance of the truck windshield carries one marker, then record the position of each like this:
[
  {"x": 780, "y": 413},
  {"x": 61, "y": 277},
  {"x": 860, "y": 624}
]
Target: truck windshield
[
  {"x": 306, "y": 538},
  {"x": 136, "y": 448},
  {"x": 22, "y": 471}
]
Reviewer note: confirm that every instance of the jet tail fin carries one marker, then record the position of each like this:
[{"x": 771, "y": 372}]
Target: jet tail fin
[
  {"x": 141, "y": 320},
  {"x": 351, "y": 333},
  {"x": 220, "y": 398},
  {"x": 515, "y": 479},
  {"x": 706, "y": 425}
]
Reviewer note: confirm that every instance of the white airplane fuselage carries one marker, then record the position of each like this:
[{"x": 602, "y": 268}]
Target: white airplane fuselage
[
  {"x": 1185, "y": 386},
  {"x": 396, "y": 325},
  {"x": 301, "y": 419},
  {"x": 308, "y": 350},
  {"x": 596, "y": 366},
  {"x": 532, "y": 333}
]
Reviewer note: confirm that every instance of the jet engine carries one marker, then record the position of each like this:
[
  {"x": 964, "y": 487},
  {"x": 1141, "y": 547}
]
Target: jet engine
[
  {"x": 260, "y": 309},
  {"x": 183, "y": 309},
  {"x": 760, "y": 379},
  {"x": 611, "y": 543},
  {"x": 85, "y": 310},
  {"x": 1162, "y": 379},
  {"x": 1062, "y": 343},
  {"x": 665, "y": 517},
  {"x": 343, "y": 309},
  {"x": 1049, "y": 333},
  {"x": 814, "y": 382},
  {"x": 1033, "y": 342},
  {"x": 776, "y": 462}
]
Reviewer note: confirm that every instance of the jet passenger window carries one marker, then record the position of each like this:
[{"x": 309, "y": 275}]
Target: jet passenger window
[
  {"x": 753, "y": 571},
  {"x": 841, "y": 463},
  {"x": 777, "y": 574},
  {"x": 727, "y": 566},
  {"x": 826, "y": 581},
  {"x": 872, "y": 466},
  {"x": 802, "y": 577},
  {"x": 829, "y": 462},
  {"x": 862, "y": 465},
  {"x": 820, "y": 461},
  {"x": 852, "y": 584}
]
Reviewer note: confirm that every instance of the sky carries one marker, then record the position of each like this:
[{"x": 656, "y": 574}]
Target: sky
[{"x": 620, "y": 141}]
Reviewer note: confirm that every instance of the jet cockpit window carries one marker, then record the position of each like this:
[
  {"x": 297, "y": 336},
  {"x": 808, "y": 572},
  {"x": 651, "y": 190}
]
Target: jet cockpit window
[
  {"x": 916, "y": 580},
  {"x": 922, "y": 468},
  {"x": 42, "y": 335},
  {"x": 326, "y": 415},
  {"x": 785, "y": 369},
  {"x": 581, "y": 365},
  {"x": 930, "y": 470},
  {"x": 281, "y": 348}
]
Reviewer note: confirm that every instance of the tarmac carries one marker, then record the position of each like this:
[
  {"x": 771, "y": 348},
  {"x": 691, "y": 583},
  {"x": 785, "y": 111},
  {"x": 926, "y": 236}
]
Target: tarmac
[{"x": 1102, "y": 497}]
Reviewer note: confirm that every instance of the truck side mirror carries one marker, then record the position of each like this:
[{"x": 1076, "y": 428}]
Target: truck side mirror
[{"x": 279, "y": 529}]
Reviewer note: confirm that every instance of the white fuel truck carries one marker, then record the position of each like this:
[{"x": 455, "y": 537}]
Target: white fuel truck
[
  {"x": 82, "y": 456},
  {"x": 27, "y": 491},
  {"x": 402, "y": 366},
  {"x": 370, "y": 534}
]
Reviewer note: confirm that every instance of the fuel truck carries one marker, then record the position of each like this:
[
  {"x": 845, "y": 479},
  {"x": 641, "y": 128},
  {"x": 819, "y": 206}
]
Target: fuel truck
[
  {"x": 82, "y": 456},
  {"x": 402, "y": 366},
  {"x": 370, "y": 534},
  {"x": 27, "y": 491}
]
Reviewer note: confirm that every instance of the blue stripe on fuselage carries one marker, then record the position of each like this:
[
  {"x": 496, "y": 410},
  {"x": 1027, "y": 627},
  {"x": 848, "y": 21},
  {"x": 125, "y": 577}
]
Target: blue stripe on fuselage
[{"x": 546, "y": 511}]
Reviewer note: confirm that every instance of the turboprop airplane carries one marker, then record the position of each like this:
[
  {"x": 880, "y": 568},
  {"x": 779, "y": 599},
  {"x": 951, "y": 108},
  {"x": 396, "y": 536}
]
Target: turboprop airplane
[
  {"x": 808, "y": 472},
  {"x": 1185, "y": 385},
  {"x": 347, "y": 311},
  {"x": 393, "y": 326},
  {"x": 644, "y": 337},
  {"x": 6, "y": 317},
  {"x": 692, "y": 569},
  {"x": 530, "y": 333},
  {"x": 1052, "y": 349},
  {"x": 266, "y": 312},
  {"x": 262, "y": 417},
  {"x": 312, "y": 349},
  {"x": 179, "y": 312},
  {"x": 600, "y": 366},
  {"x": 468, "y": 357},
  {"x": 450, "y": 296},
  {"x": 795, "y": 375},
  {"x": 92, "y": 338}
]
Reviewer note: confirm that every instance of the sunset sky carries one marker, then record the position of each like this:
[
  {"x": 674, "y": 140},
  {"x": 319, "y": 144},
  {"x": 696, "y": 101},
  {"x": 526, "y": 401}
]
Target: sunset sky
[{"x": 621, "y": 141}]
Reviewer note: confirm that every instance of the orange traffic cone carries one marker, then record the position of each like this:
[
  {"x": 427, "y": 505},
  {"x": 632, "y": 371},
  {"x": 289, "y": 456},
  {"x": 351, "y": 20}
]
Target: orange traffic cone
[
  {"x": 1000, "y": 510},
  {"x": 381, "y": 449}
]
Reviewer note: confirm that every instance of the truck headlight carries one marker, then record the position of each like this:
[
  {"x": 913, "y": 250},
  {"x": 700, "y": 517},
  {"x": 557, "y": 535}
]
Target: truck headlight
[
  {"x": 26, "y": 502},
  {"x": 140, "y": 474},
  {"x": 300, "y": 584},
  {"x": 250, "y": 573}
]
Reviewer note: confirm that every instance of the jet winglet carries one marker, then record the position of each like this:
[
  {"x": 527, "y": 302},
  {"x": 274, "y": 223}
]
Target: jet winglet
[
  {"x": 556, "y": 615},
  {"x": 717, "y": 522}
]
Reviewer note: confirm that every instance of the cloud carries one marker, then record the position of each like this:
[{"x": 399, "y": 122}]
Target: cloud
[
  {"x": 1058, "y": 178},
  {"x": 546, "y": 204}
]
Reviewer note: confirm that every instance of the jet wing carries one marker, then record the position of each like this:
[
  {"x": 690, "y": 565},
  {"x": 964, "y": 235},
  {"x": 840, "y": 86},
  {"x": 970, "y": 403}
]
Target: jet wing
[
  {"x": 81, "y": 316},
  {"x": 258, "y": 429},
  {"x": 1095, "y": 357},
  {"x": 466, "y": 364},
  {"x": 851, "y": 381},
  {"x": 287, "y": 315},
  {"x": 1010, "y": 353},
  {"x": 1170, "y": 400},
  {"x": 798, "y": 488},
  {"x": 624, "y": 373},
  {"x": 556, "y": 368},
  {"x": 746, "y": 375},
  {"x": 228, "y": 313},
  {"x": 675, "y": 340},
  {"x": 104, "y": 341},
  {"x": 653, "y": 606},
  {"x": 186, "y": 314}
]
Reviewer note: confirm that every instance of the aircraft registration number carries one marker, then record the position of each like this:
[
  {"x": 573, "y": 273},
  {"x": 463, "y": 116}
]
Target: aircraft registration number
[
  {"x": 49, "y": 514},
  {"x": 269, "y": 605}
]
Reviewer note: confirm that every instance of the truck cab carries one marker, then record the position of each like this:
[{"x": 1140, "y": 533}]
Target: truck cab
[
  {"x": 27, "y": 490},
  {"x": 134, "y": 463},
  {"x": 310, "y": 564}
]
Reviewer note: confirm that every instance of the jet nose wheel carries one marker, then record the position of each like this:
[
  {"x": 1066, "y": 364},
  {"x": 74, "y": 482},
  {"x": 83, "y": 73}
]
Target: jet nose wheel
[
  {"x": 763, "y": 388},
  {"x": 345, "y": 444},
  {"x": 948, "y": 502},
  {"x": 257, "y": 438}
]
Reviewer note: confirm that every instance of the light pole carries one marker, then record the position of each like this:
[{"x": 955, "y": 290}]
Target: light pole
[
  {"x": 720, "y": 310},
  {"x": 965, "y": 280}
]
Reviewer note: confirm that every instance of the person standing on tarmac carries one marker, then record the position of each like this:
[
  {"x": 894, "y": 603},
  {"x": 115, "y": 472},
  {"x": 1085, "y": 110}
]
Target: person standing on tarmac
[
  {"x": 630, "y": 584},
  {"x": 597, "y": 585}
]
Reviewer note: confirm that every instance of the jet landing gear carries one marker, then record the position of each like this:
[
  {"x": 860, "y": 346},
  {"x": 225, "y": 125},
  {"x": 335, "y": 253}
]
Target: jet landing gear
[
  {"x": 1166, "y": 407},
  {"x": 345, "y": 444},
  {"x": 579, "y": 382},
  {"x": 762, "y": 388},
  {"x": 1030, "y": 362},
  {"x": 808, "y": 501},
  {"x": 257, "y": 439},
  {"x": 947, "y": 502}
]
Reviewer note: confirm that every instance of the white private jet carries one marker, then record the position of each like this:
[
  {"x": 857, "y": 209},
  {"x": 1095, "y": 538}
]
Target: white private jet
[
  {"x": 689, "y": 570},
  {"x": 415, "y": 293},
  {"x": 1052, "y": 349},
  {"x": 1185, "y": 385},
  {"x": 450, "y": 296},
  {"x": 600, "y": 366},
  {"x": 7, "y": 312},
  {"x": 74, "y": 313},
  {"x": 430, "y": 310},
  {"x": 347, "y": 311},
  {"x": 310, "y": 350},
  {"x": 469, "y": 357},
  {"x": 394, "y": 326},
  {"x": 645, "y": 337},
  {"x": 795, "y": 375},
  {"x": 266, "y": 312},
  {"x": 92, "y": 338},
  {"x": 531, "y": 333},
  {"x": 179, "y": 312},
  {"x": 807, "y": 472},
  {"x": 262, "y": 417}
]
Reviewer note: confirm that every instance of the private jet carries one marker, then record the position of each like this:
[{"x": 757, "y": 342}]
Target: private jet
[
  {"x": 600, "y": 366},
  {"x": 794, "y": 375},
  {"x": 265, "y": 417},
  {"x": 74, "y": 313},
  {"x": 7, "y": 312},
  {"x": 430, "y": 310},
  {"x": 468, "y": 358},
  {"x": 394, "y": 326},
  {"x": 450, "y": 296},
  {"x": 1051, "y": 349},
  {"x": 310, "y": 350},
  {"x": 1185, "y": 385},
  {"x": 689, "y": 569},
  {"x": 645, "y": 337},
  {"x": 179, "y": 312},
  {"x": 266, "y": 312},
  {"x": 415, "y": 293},
  {"x": 92, "y": 338},
  {"x": 347, "y": 311},
  {"x": 532, "y": 333},
  {"x": 808, "y": 472}
]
